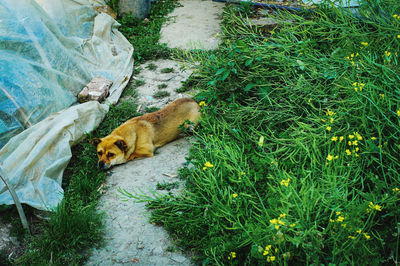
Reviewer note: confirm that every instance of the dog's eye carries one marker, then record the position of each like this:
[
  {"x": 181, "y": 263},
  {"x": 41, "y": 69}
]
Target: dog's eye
[
  {"x": 100, "y": 153},
  {"x": 110, "y": 154}
]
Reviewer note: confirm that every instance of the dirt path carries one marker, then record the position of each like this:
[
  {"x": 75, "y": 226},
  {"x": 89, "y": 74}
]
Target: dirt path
[{"x": 130, "y": 238}]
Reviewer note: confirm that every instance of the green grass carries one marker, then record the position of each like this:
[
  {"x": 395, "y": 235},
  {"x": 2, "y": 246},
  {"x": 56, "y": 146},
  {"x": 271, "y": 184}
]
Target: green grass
[
  {"x": 167, "y": 70},
  {"x": 162, "y": 86},
  {"x": 161, "y": 94},
  {"x": 167, "y": 186},
  {"x": 279, "y": 185}
]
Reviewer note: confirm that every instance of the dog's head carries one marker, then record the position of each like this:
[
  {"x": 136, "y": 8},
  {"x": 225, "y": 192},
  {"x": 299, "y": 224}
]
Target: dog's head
[{"x": 110, "y": 150}]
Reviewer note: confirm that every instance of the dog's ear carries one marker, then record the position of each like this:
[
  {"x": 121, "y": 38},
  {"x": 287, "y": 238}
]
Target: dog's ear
[
  {"x": 95, "y": 141},
  {"x": 121, "y": 144}
]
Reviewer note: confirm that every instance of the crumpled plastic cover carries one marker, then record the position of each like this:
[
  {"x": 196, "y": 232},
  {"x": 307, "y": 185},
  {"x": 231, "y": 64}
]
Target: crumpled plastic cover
[{"x": 49, "y": 50}]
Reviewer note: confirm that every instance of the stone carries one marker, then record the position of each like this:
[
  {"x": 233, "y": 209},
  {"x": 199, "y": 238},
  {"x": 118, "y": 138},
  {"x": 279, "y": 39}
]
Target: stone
[{"x": 96, "y": 90}]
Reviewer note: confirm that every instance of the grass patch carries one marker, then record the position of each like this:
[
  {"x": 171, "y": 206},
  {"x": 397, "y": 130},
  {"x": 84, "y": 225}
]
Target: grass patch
[
  {"x": 297, "y": 154},
  {"x": 161, "y": 94},
  {"x": 145, "y": 34},
  {"x": 162, "y": 86},
  {"x": 151, "y": 66},
  {"x": 167, "y": 186},
  {"x": 167, "y": 70}
]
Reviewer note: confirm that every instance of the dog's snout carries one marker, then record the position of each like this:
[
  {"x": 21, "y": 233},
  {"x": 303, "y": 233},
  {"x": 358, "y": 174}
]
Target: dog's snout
[{"x": 101, "y": 165}]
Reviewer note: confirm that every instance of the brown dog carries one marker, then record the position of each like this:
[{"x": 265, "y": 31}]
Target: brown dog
[{"x": 139, "y": 136}]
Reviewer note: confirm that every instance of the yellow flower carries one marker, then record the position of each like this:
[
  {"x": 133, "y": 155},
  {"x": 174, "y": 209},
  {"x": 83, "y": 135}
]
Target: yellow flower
[
  {"x": 396, "y": 190},
  {"x": 341, "y": 138},
  {"x": 232, "y": 255},
  {"x": 373, "y": 138},
  {"x": 330, "y": 113},
  {"x": 355, "y": 143},
  {"x": 359, "y": 231},
  {"x": 334, "y": 138},
  {"x": 395, "y": 15},
  {"x": 367, "y": 236},
  {"x": 398, "y": 36},
  {"x": 207, "y": 164},
  {"x": 234, "y": 195},
  {"x": 358, "y": 136},
  {"x": 382, "y": 95},
  {"x": 329, "y": 128},
  {"x": 285, "y": 182},
  {"x": 331, "y": 220},
  {"x": 274, "y": 221},
  {"x": 364, "y": 43},
  {"x": 348, "y": 152},
  {"x": 202, "y": 103},
  {"x": 398, "y": 112},
  {"x": 271, "y": 258},
  {"x": 350, "y": 143},
  {"x": 338, "y": 213},
  {"x": 282, "y": 215},
  {"x": 387, "y": 53},
  {"x": 292, "y": 225},
  {"x": 340, "y": 219},
  {"x": 375, "y": 206},
  {"x": 351, "y": 237},
  {"x": 329, "y": 158},
  {"x": 351, "y": 136}
]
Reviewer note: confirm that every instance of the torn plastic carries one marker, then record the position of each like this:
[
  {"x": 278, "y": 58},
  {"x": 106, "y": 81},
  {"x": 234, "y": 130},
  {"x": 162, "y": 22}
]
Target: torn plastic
[{"x": 49, "y": 50}]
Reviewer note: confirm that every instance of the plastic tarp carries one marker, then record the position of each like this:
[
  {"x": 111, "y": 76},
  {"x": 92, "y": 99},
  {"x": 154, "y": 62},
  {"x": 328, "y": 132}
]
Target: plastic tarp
[{"x": 49, "y": 50}]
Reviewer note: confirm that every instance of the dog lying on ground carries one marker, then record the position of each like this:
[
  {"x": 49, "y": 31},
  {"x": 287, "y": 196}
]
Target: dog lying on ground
[{"x": 139, "y": 136}]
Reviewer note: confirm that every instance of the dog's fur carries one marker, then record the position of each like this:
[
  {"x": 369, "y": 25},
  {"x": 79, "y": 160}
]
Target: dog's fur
[{"x": 139, "y": 136}]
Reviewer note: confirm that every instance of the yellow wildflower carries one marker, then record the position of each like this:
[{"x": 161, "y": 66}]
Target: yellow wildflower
[
  {"x": 367, "y": 236},
  {"x": 351, "y": 136},
  {"x": 398, "y": 112},
  {"x": 329, "y": 158},
  {"x": 331, "y": 220},
  {"x": 329, "y": 128},
  {"x": 338, "y": 213},
  {"x": 270, "y": 258},
  {"x": 282, "y": 215},
  {"x": 207, "y": 164},
  {"x": 382, "y": 95},
  {"x": 398, "y": 36},
  {"x": 330, "y": 113},
  {"x": 285, "y": 182},
  {"x": 373, "y": 138},
  {"x": 292, "y": 225},
  {"x": 364, "y": 43},
  {"x": 387, "y": 53},
  {"x": 341, "y": 138},
  {"x": 350, "y": 143},
  {"x": 232, "y": 255},
  {"x": 348, "y": 152},
  {"x": 334, "y": 138},
  {"x": 355, "y": 143},
  {"x": 202, "y": 103},
  {"x": 359, "y": 231},
  {"x": 340, "y": 219},
  {"x": 395, "y": 15},
  {"x": 234, "y": 195},
  {"x": 351, "y": 237},
  {"x": 375, "y": 206}
]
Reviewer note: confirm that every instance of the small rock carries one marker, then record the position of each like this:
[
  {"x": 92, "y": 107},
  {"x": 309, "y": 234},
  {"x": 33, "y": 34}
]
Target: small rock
[{"x": 96, "y": 90}]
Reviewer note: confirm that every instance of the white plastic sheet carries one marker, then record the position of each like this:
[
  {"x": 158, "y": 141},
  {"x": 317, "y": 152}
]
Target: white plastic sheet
[{"x": 49, "y": 50}]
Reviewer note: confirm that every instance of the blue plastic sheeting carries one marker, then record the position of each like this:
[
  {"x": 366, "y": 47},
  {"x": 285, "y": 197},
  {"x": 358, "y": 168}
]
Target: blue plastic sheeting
[
  {"x": 45, "y": 60},
  {"x": 49, "y": 50}
]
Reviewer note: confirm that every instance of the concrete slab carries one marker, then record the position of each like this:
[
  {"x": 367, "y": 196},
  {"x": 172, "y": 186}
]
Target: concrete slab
[{"x": 194, "y": 25}]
